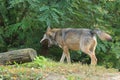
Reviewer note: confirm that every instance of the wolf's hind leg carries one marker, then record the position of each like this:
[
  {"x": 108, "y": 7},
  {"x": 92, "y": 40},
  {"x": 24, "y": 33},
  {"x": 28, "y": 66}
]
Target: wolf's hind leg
[
  {"x": 88, "y": 46},
  {"x": 92, "y": 57},
  {"x": 92, "y": 49},
  {"x": 91, "y": 53}
]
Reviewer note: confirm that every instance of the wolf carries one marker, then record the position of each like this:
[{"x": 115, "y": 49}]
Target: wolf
[{"x": 75, "y": 39}]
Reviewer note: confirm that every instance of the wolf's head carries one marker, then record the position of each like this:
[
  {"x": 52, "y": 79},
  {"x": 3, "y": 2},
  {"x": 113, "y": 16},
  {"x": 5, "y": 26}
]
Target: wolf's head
[{"x": 50, "y": 36}]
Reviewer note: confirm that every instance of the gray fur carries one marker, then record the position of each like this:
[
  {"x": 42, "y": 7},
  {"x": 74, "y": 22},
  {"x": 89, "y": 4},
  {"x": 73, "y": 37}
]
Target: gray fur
[{"x": 75, "y": 39}]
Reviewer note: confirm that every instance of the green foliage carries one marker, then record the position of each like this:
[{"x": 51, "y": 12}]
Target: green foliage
[
  {"x": 73, "y": 77},
  {"x": 23, "y": 22},
  {"x": 40, "y": 61}
]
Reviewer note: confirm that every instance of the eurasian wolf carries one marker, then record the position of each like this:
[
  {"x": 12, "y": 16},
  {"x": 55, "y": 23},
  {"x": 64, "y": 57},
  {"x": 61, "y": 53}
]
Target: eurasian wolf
[{"x": 75, "y": 39}]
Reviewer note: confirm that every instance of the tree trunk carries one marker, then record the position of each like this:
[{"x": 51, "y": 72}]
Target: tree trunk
[{"x": 17, "y": 56}]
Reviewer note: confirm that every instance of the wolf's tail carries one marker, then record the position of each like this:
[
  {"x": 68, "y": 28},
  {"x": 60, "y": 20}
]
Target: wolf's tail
[{"x": 102, "y": 35}]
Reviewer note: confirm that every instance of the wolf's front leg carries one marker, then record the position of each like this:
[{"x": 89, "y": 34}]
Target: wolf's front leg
[
  {"x": 67, "y": 54},
  {"x": 62, "y": 58}
]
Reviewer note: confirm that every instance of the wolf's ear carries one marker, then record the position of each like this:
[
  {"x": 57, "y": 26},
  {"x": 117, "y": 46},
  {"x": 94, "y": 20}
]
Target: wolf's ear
[{"x": 48, "y": 28}]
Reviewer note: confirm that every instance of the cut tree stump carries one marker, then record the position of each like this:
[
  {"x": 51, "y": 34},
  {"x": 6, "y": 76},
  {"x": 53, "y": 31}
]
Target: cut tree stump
[{"x": 17, "y": 56}]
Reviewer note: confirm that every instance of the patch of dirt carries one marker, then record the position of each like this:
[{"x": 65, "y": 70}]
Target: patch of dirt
[
  {"x": 109, "y": 76},
  {"x": 55, "y": 76}
]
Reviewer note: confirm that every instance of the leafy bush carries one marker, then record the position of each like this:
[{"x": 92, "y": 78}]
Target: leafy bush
[{"x": 23, "y": 22}]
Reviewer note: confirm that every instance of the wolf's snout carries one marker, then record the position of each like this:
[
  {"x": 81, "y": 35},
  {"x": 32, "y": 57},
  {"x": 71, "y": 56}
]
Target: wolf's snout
[
  {"x": 44, "y": 37},
  {"x": 41, "y": 40}
]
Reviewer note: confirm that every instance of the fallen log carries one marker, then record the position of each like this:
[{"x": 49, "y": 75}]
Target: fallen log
[{"x": 17, "y": 56}]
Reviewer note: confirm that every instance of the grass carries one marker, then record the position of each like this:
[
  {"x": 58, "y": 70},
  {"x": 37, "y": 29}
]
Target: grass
[{"x": 41, "y": 68}]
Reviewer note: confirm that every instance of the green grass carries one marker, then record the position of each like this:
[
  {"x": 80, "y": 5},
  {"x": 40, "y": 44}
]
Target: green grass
[{"x": 41, "y": 67}]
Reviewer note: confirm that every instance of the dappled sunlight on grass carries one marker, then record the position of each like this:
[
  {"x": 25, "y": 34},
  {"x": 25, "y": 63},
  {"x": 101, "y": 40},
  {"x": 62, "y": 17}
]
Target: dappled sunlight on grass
[{"x": 40, "y": 70}]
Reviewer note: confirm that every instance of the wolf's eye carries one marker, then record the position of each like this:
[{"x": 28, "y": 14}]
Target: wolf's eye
[{"x": 50, "y": 37}]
